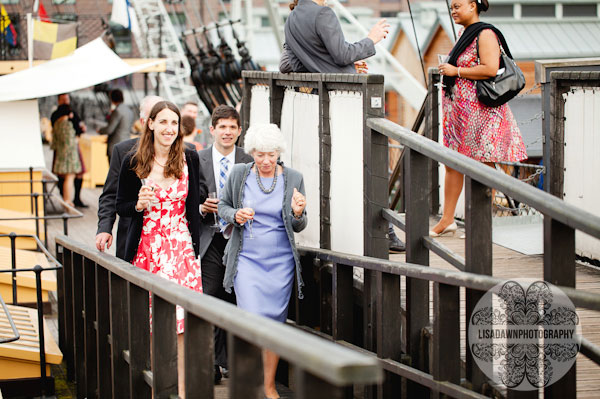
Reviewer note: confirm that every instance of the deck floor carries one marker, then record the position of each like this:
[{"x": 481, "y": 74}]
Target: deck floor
[{"x": 507, "y": 264}]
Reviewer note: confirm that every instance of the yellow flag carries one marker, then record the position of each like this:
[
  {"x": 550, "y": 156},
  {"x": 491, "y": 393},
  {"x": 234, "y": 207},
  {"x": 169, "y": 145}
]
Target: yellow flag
[{"x": 52, "y": 41}]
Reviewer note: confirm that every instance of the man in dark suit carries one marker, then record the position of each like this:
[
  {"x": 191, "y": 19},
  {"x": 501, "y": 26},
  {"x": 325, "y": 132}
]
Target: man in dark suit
[
  {"x": 107, "y": 211},
  {"x": 225, "y": 129}
]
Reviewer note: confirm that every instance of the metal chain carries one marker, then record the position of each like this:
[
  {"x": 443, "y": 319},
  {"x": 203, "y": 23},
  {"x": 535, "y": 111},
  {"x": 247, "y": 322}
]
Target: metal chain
[
  {"x": 534, "y": 118},
  {"x": 531, "y": 89}
]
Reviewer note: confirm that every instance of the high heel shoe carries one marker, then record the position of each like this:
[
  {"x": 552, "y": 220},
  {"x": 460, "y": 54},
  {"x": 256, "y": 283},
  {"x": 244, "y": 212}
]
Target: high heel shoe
[{"x": 450, "y": 230}]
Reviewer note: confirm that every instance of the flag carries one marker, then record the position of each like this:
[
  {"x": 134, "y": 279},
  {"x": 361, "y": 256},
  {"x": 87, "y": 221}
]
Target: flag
[
  {"x": 52, "y": 41},
  {"x": 124, "y": 15},
  {"x": 42, "y": 14},
  {"x": 7, "y": 28}
]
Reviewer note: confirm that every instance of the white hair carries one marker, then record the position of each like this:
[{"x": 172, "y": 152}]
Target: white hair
[
  {"x": 146, "y": 105},
  {"x": 264, "y": 137}
]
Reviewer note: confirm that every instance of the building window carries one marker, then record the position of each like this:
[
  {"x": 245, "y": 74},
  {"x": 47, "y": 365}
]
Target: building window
[
  {"x": 537, "y": 10},
  {"x": 122, "y": 38},
  {"x": 500, "y": 10},
  {"x": 580, "y": 10},
  {"x": 389, "y": 14},
  {"x": 64, "y": 17},
  {"x": 59, "y": 2},
  {"x": 178, "y": 19},
  {"x": 10, "y": 2},
  {"x": 265, "y": 22}
]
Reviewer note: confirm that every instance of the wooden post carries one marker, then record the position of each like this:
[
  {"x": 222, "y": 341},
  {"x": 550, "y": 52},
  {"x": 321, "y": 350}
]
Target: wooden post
[
  {"x": 276, "y": 94},
  {"x": 199, "y": 358},
  {"x": 312, "y": 387},
  {"x": 69, "y": 349},
  {"x": 60, "y": 293},
  {"x": 559, "y": 269},
  {"x": 446, "y": 334},
  {"x": 246, "y": 369},
  {"x": 343, "y": 313},
  {"x": 324, "y": 166},
  {"x": 417, "y": 291},
  {"x": 478, "y": 259},
  {"x": 78, "y": 324},
  {"x": 103, "y": 333},
  {"x": 139, "y": 341},
  {"x": 89, "y": 295},
  {"x": 119, "y": 336},
  {"x": 164, "y": 349}
]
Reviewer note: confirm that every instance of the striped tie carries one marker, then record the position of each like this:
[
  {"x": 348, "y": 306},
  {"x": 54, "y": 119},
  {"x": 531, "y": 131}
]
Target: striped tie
[{"x": 222, "y": 180}]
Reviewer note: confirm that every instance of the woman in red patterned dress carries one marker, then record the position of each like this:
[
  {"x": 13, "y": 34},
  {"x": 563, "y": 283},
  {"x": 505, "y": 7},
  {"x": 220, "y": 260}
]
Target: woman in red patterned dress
[
  {"x": 486, "y": 134},
  {"x": 159, "y": 188}
]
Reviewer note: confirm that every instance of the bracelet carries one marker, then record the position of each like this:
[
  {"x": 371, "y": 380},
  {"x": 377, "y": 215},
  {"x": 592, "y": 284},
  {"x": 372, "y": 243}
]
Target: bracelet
[
  {"x": 297, "y": 217},
  {"x": 459, "y": 73}
]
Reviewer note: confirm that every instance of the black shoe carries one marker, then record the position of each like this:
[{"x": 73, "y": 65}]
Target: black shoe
[
  {"x": 80, "y": 204},
  {"x": 396, "y": 245},
  {"x": 218, "y": 374}
]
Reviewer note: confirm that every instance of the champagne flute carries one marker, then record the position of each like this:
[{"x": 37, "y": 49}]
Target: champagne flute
[
  {"x": 145, "y": 183},
  {"x": 216, "y": 226},
  {"x": 249, "y": 203}
]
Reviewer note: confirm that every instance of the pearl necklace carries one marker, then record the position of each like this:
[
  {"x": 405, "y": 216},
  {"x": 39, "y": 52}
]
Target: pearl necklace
[{"x": 260, "y": 185}]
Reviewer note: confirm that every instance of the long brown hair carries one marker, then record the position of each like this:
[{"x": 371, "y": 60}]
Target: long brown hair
[{"x": 144, "y": 155}]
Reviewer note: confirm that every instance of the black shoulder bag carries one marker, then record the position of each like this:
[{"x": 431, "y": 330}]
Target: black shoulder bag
[{"x": 498, "y": 90}]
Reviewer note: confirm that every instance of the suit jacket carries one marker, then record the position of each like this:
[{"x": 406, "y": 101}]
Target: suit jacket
[
  {"x": 119, "y": 126},
  {"x": 314, "y": 40},
  {"x": 127, "y": 195},
  {"x": 107, "y": 210},
  {"x": 206, "y": 165}
]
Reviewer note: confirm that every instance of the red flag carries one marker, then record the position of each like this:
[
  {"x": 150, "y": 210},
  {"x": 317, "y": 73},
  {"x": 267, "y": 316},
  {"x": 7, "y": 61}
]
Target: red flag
[{"x": 42, "y": 13}]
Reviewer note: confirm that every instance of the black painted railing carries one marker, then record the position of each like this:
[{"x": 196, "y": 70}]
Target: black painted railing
[{"x": 106, "y": 341}]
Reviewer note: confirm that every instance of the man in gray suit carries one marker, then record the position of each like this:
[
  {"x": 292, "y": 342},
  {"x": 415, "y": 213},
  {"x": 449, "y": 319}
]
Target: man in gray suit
[
  {"x": 215, "y": 163},
  {"x": 119, "y": 124}
]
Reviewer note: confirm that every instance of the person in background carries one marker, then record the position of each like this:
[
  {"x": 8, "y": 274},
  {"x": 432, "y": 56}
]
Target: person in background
[
  {"x": 216, "y": 163},
  {"x": 264, "y": 203},
  {"x": 107, "y": 211},
  {"x": 119, "y": 123},
  {"x": 188, "y": 128},
  {"x": 486, "y": 134},
  {"x": 191, "y": 109},
  {"x": 66, "y": 161},
  {"x": 314, "y": 41},
  {"x": 80, "y": 128}
]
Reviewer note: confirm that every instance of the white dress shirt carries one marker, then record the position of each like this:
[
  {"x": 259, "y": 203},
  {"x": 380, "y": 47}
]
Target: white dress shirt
[{"x": 216, "y": 159}]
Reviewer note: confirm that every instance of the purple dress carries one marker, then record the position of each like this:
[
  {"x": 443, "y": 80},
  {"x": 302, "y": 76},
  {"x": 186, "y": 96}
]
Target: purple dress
[{"x": 265, "y": 270}]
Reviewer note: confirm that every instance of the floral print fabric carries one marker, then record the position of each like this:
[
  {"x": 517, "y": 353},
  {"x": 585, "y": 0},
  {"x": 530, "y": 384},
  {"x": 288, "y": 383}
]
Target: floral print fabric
[
  {"x": 64, "y": 144},
  {"x": 486, "y": 134},
  {"x": 165, "y": 246}
]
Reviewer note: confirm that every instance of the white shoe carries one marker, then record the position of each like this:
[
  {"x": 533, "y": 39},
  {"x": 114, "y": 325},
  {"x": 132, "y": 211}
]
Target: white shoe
[{"x": 450, "y": 230}]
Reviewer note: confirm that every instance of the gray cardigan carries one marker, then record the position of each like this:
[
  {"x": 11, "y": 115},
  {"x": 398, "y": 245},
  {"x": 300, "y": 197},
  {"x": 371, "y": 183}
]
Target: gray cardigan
[
  {"x": 231, "y": 202},
  {"x": 314, "y": 40}
]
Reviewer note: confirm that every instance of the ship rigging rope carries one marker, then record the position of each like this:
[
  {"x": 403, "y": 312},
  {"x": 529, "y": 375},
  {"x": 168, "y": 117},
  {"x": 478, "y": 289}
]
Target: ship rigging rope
[
  {"x": 417, "y": 42},
  {"x": 451, "y": 20}
]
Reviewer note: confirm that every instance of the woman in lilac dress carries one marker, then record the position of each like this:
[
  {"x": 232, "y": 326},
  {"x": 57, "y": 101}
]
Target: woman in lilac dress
[{"x": 264, "y": 202}]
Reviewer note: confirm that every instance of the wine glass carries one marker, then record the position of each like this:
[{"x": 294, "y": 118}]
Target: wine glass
[
  {"x": 216, "y": 226},
  {"x": 249, "y": 203},
  {"x": 146, "y": 183}
]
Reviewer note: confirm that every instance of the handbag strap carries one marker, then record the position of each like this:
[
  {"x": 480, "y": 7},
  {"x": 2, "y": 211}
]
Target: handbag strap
[{"x": 502, "y": 52}]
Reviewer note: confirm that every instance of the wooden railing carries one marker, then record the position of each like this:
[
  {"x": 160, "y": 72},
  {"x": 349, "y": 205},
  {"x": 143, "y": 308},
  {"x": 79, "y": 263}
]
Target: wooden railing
[{"x": 105, "y": 336}]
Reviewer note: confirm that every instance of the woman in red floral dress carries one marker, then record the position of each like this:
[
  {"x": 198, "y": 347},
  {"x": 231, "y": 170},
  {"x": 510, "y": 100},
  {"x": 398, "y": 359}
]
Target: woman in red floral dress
[
  {"x": 159, "y": 189},
  {"x": 486, "y": 134}
]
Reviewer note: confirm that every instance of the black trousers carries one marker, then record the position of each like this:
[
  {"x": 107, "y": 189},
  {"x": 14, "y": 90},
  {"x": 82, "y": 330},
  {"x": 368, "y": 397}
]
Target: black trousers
[{"x": 213, "y": 272}]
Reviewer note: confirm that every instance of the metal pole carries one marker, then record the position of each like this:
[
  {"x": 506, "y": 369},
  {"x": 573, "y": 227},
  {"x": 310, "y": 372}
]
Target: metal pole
[
  {"x": 31, "y": 186},
  {"x": 37, "y": 220},
  {"x": 13, "y": 257},
  {"x": 275, "y": 19},
  {"x": 40, "y": 311}
]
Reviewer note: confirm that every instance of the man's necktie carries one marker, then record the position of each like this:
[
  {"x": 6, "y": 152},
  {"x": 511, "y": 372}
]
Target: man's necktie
[{"x": 222, "y": 180}]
